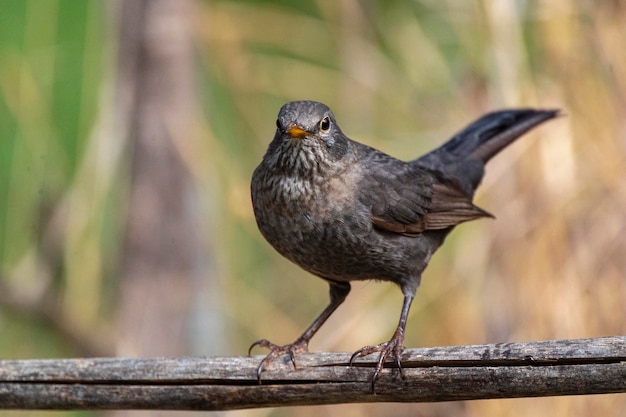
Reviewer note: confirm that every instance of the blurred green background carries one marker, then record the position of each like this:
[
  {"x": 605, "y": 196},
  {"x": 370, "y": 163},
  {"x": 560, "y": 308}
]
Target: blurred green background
[{"x": 402, "y": 76}]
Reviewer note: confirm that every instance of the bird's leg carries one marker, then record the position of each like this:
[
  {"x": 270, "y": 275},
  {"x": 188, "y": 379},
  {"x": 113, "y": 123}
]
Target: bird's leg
[
  {"x": 338, "y": 293},
  {"x": 394, "y": 346}
]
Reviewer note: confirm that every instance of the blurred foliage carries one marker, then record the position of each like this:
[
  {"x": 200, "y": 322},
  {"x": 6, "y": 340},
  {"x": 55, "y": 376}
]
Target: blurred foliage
[
  {"x": 51, "y": 66},
  {"x": 402, "y": 76}
]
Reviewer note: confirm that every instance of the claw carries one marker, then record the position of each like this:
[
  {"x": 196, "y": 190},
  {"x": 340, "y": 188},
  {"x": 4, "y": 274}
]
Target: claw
[
  {"x": 299, "y": 346},
  {"x": 263, "y": 343},
  {"x": 394, "y": 347}
]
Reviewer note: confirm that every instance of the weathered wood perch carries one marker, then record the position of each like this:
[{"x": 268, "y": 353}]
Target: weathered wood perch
[{"x": 564, "y": 367}]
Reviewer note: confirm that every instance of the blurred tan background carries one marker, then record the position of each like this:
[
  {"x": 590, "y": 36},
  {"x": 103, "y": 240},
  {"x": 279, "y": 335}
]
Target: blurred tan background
[{"x": 129, "y": 131}]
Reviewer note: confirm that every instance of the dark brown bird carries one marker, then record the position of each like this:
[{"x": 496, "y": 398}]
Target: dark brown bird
[{"x": 346, "y": 212}]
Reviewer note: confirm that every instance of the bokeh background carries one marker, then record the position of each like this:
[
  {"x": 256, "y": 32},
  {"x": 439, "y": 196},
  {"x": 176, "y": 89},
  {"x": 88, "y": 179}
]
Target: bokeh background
[{"x": 129, "y": 131}]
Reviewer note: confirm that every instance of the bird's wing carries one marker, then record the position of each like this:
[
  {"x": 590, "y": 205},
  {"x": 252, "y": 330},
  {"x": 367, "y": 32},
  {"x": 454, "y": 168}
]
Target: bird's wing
[{"x": 410, "y": 200}]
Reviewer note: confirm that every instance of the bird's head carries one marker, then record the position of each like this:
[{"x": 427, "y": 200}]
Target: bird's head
[{"x": 307, "y": 134}]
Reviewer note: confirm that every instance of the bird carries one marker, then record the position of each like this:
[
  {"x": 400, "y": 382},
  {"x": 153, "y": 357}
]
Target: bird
[{"x": 345, "y": 211}]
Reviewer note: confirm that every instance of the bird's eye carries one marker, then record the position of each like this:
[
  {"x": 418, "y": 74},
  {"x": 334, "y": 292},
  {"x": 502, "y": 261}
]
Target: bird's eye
[
  {"x": 325, "y": 124},
  {"x": 278, "y": 123}
]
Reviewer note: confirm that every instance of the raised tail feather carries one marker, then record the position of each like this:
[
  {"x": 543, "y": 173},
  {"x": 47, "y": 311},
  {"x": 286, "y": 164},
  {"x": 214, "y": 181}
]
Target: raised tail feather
[
  {"x": 463, "y": 157},
  {"x": 491, "y": 133}
]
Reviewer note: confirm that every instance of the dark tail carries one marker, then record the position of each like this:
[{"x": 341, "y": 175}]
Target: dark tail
[
  {"x": 491, "y": 133},
  {"x": 465, "y": 155}
]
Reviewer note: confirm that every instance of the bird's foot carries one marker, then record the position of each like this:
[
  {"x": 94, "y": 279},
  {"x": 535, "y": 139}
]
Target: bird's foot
[
  {"x": 393, "y": 347},
  {"x": 299, "y": 346}
]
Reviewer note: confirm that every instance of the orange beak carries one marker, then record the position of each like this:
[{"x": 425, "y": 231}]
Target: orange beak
[{"x": 296, "y": 132}]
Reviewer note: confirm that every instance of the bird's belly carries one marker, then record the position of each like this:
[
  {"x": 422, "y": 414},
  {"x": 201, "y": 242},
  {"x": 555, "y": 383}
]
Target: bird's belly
[{"x": 343, "y": 245}]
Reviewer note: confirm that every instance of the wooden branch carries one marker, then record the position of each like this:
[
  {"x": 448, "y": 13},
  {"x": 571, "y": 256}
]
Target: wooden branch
[{"x": 565, "y": 367}]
